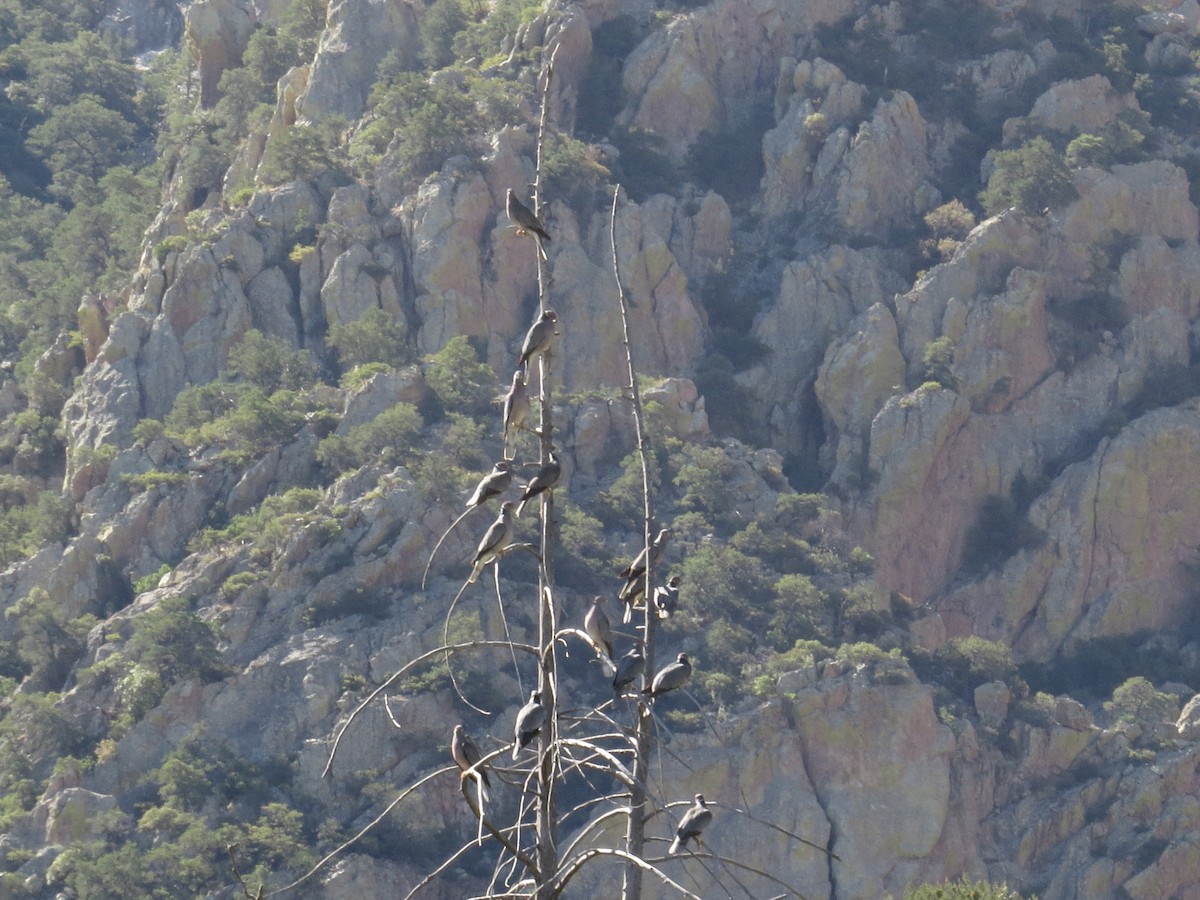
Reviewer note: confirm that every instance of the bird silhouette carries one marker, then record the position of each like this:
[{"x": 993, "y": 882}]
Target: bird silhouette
[
  {"x": 495, "y": 541},
  {"x": 670, "y": 677},
  {"x": 598, "y": 628},
  {"x": 545, "y": 479},
  {"x": 523, "y": 217},
  {"x": 493, "y": 484},
  {"x": 538, "y": 338},
  {"x": 691, "y": 826},
  {"x": 635, "y": 573},
  {"x": 629, "y": 667},
  {"x": 516, "y": 408},
  {"x": 530, "y": 720},
  {"x": 466, "y": 754}
]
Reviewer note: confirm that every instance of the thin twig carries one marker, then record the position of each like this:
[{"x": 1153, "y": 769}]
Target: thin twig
[{"x": 400, "y": 673}]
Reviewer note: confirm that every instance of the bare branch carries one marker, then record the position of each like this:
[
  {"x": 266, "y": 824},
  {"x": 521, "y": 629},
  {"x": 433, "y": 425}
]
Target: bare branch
[
  {"x": 572, "y": 868},
  {"x": 379, "y": 818},
  {"x": 404, "y": 670}
]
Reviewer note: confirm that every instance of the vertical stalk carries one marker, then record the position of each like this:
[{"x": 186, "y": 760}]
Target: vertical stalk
[
  {"x": 546, "y": 818},
  {"x": 635, "y": 834}
]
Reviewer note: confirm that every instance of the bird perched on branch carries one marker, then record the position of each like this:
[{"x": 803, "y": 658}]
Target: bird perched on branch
[
  {"x": 516, "y": 407},
  {"x": 666, "y": 597},
  {"x": 523, "y": 217},
  {"x": 598, "y": 628},
  {"x": 495, "y": 541},
  {"x": 545, "y": 479},
  {"x": 635, "y": 573},
  {"x": 538, "y": 338},
  {"x": 629, "y": 667},
  {"x": 493, "y": 484},
  {"x": 691, "y": 826},
  {"x": 671, "y": 676},
  {"x": 529, "y": 723},
  {"x": 466, "y": 754}
]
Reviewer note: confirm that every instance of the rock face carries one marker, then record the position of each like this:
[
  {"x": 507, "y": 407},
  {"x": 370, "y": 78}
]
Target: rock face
[
  {"x": 1010, "y": 435},
  {"x": 217, "y": 32},
  {"x": 357, "y": 35}
]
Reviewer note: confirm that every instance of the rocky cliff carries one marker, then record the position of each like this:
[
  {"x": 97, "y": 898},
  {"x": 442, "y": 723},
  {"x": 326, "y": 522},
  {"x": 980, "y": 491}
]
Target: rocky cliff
[{"x": 1003, "y": 422}]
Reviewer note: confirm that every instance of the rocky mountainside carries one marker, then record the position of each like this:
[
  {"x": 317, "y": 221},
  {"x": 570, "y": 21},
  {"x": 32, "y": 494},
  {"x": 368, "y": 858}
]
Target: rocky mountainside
[{"x": 940, "y": 265}]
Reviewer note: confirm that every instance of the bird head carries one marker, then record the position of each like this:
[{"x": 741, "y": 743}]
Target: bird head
[
  {"x": 700, "y": 800},
  {"x": 682, "y": 657},
  {"x": 549, "y": 315}
]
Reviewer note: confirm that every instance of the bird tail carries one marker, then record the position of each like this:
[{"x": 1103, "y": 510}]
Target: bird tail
[
  {"x": 627, "y": 616},
  {"x": 520, "y": 506},
  {"x": 676, "y": 846},
  {"x": 474, "y": 576},
  {"x": 481, "y": 783},
  {"x": 516, "y": 750}
]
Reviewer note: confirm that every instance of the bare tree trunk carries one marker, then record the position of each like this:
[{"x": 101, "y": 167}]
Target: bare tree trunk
[
  {"x": 635, "y": 834},
  {"x": 546, "y": 817}
]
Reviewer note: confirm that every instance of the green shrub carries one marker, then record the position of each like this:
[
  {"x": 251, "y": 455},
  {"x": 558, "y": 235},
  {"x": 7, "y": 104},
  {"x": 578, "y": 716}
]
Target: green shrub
[
  {"x": 459, "y": 379},
  {"x": 1032, "y": 177},
  {"x": 963, "y": 890},
  {"x": 375, "y": 337},
  {"x": 271, "y": 363},
  {"x": 937, "y": 362}
]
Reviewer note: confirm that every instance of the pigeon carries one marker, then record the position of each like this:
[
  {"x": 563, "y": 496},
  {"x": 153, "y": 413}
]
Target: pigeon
[
  {"x": 493, "y": 484},
  {"x": 630, "y": 666},
  {"x": 495, "y": 541},
  {"x": 522, "y": 216},
  {"x": 545, "y": 479},
  {"x": 671, "y": 676},
  {"x": 597, "y": 626},
  {"x": 635, "y": 573},
  {"x": 466, "y": 753},
  {"x": 538, "y": 338},
  {"x": 694, "y": 821},
  {"x": 529, "y": 724},
  {"x": 516, "y": 407},
  {"x": 666, "y": 597}
]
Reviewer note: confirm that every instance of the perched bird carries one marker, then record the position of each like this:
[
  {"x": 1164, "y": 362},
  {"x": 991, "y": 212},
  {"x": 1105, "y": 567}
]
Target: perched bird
[
  {"x": 493, "y": 484},
  {"x": 666, "y": 597},
  {"x": 538, "y": 338},
  {"x": 466, "y": 753},
  {"x": 495, "y": 541},
  {"x": 545, "y": 479},
  {"x": 530, "y": 720},
  {"x": 598, "y": 628},
  {"x": 516, "y": 407},
  {"x": 635, "y": 573},
  {"x": 694, "y": 821},
  {"x": 629, "y": 667},
  {"x": 671, "y": 676},
  {"x": 522, "y": 216}
]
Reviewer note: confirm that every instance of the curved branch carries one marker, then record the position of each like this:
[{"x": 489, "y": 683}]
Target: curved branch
[
  {"x": 442, "y": 539},
  {"x": 333, "y": 853},
  {"x": 572, "y": 868},
  {"x": 404, "y": 670},
  {"x": 495, "y": 832}
]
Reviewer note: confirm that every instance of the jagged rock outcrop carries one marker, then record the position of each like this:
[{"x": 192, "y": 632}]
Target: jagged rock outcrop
[
  {"x": 357, "y": 36},
  {"x": 217, "y": 32},
  {"x": 144, "y": 24},
  {"x": 679, "y": 89},
  {"x": 1086, "y": 105},
  {"x": 1116, "y": 546}
]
